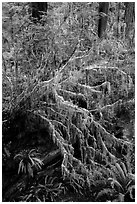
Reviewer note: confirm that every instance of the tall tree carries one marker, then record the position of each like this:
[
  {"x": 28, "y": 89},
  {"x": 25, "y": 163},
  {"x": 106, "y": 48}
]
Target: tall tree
[
  {"x": 129, "y": 17},
  {"x": 102, "y": 24},
  {"x": 38, "y": 8}
]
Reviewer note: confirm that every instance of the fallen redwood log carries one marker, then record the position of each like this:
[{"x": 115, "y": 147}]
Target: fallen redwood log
[{"x": 52, "y": 157}]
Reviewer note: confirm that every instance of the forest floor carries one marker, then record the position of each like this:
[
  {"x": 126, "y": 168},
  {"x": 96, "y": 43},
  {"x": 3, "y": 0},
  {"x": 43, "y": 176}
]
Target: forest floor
[{"x": 31, "y": 133}]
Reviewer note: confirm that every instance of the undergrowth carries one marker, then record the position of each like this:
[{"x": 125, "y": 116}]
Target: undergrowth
[{"x": 70, "y": 132}]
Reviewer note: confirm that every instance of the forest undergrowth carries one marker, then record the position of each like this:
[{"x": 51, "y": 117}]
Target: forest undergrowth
[
  {"x": 67, "y": 128},
  {"x": 73, "y": 133}
]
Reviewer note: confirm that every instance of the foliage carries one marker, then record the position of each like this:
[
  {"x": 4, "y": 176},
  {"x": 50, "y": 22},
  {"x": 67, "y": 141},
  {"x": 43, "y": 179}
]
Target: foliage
[
  {"x": 43, "y": 192},
  {"x": 28, "y": 160},
  {"x": 68, "y": 106},
  {"x": 121, "y": 183}
]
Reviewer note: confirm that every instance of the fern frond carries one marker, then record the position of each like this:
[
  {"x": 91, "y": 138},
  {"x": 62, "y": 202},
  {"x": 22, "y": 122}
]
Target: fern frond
[
  {"x": 116, "y": 185},
  {"x": 117, "y": 175},
  {"x": 20, "y": 166},
  {"x": 124, "y": 168},
  {"x": 121, "y": 172}
]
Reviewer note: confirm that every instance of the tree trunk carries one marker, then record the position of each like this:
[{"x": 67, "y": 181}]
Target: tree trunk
[
  {"x": 118, "y": 20},
  {"x": 129, "y": 17},
  {"x": 37, "y": 9},
  {"x": 102, "y": 24}
]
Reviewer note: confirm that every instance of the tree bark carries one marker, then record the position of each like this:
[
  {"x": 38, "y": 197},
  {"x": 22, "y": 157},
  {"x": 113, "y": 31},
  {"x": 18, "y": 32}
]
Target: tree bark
[
  {"x": 102, "y": 24},
  {"x": 37, "y": 9},
  {"x": 129, "y": 17}
]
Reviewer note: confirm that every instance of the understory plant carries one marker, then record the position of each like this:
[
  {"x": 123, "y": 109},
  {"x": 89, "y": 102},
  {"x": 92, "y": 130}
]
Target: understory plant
[
  {"x": 28, "y": 160},
  {"x": 120, "y": 186}
]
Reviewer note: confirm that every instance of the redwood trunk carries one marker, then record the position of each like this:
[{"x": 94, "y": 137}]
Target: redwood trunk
[{"x": 102, "y": 24}]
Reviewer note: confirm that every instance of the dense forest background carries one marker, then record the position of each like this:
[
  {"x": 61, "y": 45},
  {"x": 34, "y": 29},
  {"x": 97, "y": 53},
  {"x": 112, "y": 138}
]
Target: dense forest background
[{"x": 68, "y": 80}]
